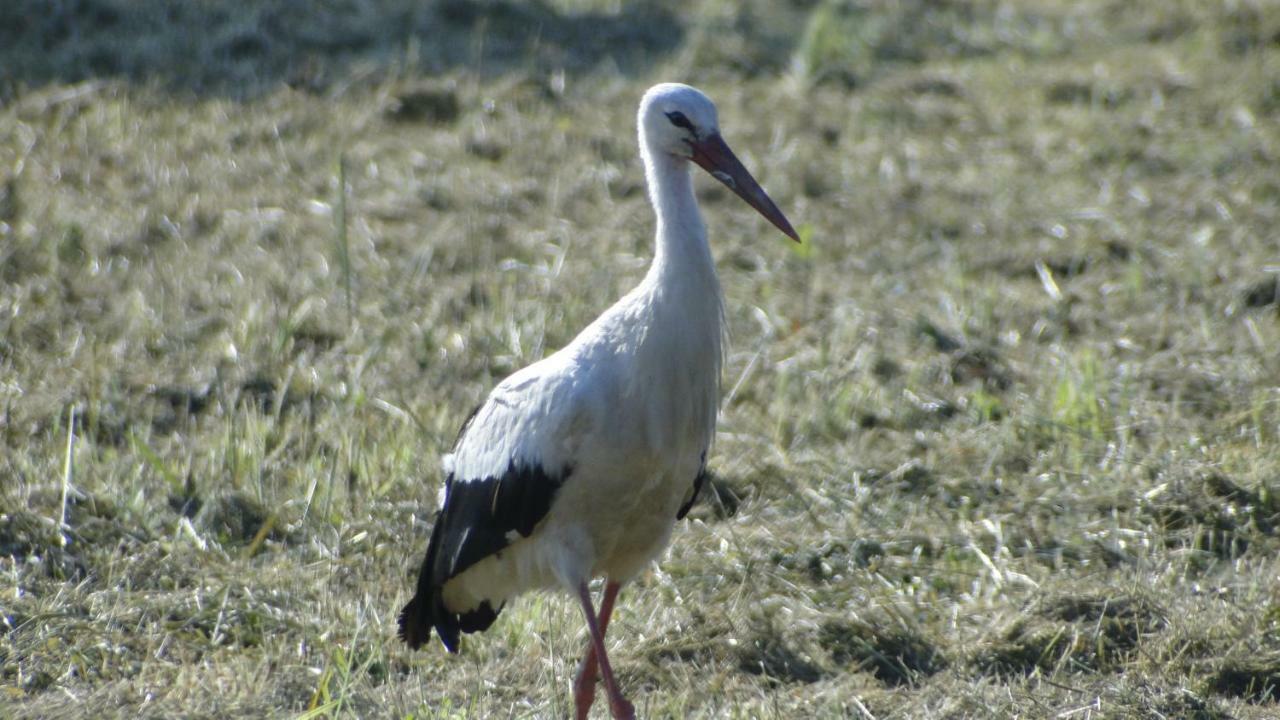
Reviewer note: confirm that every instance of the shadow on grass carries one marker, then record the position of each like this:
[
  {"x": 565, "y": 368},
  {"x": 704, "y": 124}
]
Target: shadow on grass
[{"x": 240, "y": 50}]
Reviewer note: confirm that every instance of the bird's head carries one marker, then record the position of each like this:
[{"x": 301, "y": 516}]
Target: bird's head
[{"x": 680, "y": 121}]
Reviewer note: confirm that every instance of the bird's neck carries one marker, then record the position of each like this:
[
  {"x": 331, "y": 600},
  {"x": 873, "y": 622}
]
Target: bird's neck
[
  {"x": 682, "y": 282},
  {"x": 684, "y": 341},
  {"x": 682, "y": 252}
]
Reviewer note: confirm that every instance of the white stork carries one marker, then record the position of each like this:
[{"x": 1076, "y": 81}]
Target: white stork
[{"x": 579, "y": 465}]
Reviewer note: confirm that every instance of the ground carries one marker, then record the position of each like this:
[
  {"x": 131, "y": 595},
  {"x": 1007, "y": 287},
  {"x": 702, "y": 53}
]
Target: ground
[{"x": 999, "y": 440}]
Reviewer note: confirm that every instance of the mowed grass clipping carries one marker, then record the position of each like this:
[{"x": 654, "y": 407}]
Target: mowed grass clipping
[{"x": 999, "y": 440}]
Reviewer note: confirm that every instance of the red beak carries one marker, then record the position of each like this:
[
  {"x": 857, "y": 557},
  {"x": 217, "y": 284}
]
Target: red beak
[{"x": 713, "y": 155}]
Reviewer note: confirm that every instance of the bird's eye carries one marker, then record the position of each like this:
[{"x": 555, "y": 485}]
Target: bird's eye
[{"x": 679, "y": 120}]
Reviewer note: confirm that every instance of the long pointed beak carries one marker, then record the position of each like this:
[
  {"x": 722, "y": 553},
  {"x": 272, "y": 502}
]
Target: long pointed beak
[{"x": 712, "y": 154}]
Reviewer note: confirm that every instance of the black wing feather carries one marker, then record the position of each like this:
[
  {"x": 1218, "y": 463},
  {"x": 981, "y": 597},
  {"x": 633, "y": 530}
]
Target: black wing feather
[{"x": 476, "y": 521}]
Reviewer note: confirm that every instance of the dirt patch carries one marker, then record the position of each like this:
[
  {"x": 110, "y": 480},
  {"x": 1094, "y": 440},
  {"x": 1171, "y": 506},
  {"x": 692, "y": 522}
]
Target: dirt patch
[
  {"x": 1262, "y": 293},
  {"x": 894, "y": 655},
  {"x": 1215, "y": 515},
  {"x": 425, "y": 103},
  {"x": 92, "y": 525},
  {"x": 831, "y": 561},
  {"x": 263, "y": 392},
  {"x": 171, "y": 408},
  {"x": 1073, "y": 634},
  {"x": 1160, "y": 700},
  {"x": 237, "y": 519},
  {"x": 980, "y": 366},
  {"x": 33, "y": 539},
  {"x": 1186, "y": 704},
  {"x": 1120, "y": 621},
  {"x": 1256, "y": 679},
  {"x": 766, "y": 651},
  {"x": 912, "y": 478},
  {"x": 768, "y": 654}
]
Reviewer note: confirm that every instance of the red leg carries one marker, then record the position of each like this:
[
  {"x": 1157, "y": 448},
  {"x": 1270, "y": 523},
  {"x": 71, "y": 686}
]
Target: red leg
[
  {"x": 618, "y": 705},
  {"x": 584, "y": 685}
]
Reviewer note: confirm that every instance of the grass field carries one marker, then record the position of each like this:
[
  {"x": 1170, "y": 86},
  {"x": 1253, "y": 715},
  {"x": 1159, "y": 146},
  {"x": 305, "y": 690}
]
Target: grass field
[{"x": 999, "y": 441}]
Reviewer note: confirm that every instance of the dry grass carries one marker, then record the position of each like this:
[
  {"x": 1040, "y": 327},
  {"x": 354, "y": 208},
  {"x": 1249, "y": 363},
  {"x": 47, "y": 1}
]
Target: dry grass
[{"x": 1002, "y": 437}]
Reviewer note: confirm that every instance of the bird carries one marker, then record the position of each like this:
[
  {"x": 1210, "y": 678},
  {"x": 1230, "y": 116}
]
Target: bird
[{"x": 578, "y": 466}]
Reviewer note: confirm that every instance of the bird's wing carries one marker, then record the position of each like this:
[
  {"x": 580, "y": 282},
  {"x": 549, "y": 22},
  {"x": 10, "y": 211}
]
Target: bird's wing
[{"x": 510, "y": 460}]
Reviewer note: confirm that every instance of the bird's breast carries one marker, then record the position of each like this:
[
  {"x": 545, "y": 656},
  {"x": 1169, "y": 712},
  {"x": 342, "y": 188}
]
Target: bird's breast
[{"x": 677, "y": 393}]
